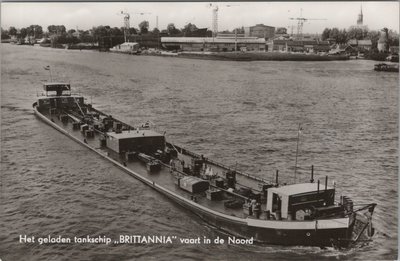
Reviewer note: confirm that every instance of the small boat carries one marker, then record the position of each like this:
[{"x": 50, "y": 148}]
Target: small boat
[
  {"x": 393, "y": 58},
  {"x": 384, "y": 67},
  {"x": 245, "y": 206},
  {"x": 127, "y": 47}
]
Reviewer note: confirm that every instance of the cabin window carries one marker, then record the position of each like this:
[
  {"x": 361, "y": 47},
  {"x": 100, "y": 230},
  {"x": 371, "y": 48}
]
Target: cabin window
[{"x": 276, "y": 202}]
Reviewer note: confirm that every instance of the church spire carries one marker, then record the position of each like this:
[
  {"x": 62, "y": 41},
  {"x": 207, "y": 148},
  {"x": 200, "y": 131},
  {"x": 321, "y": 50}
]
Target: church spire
[{"x": 360, "y": 17}]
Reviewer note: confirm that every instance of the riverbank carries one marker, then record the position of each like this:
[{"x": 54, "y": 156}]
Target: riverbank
[
  {"x": 263, "y": 56},
  {"x": 226, "y": 56},
  {"x": 250, "y": 56}
]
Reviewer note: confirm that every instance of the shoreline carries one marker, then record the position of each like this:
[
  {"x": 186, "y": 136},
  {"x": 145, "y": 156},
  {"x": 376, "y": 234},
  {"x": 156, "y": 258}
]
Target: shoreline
[
  {"x": 232, "y": 56},
  {"x": 263, "y": 56}
]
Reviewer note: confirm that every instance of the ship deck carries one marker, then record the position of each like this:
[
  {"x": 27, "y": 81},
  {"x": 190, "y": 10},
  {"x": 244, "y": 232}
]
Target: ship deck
[
  {"x": 279, "y": 230},
  {"x": 165, "y": 177}
]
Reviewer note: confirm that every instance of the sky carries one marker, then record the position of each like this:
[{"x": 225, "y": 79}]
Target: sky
[{"x": 342, "y": 15}]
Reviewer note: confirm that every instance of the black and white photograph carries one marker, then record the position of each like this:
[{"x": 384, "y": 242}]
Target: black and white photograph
[{"x": 199, "y": 130}]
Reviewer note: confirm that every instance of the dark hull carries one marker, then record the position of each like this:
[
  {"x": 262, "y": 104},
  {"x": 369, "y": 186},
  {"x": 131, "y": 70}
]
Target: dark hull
[
  {"x": 388, "y": 70},
  {"x": 263, "y": 56},
  {"x": 307, "y": 233},
  {"x": 274, "y": 236},
  {"x": 386, "y": 67}
]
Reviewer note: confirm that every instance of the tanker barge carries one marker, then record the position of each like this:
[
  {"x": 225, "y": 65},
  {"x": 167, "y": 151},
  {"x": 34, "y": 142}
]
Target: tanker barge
[{"x": 236, "y": 203}]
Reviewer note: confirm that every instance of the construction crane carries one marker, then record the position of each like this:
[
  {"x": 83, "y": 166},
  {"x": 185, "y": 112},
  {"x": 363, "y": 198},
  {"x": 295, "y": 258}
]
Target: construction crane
[
  {"x": 214, "y": 23},
  {"x": 127, "y": 25},
  {"x": 300, "y": 22}
]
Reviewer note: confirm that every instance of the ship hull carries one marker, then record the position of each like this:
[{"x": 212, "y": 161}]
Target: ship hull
[
  {"x": 332, "y": 237},
  {"x": 320, "y": 233}
]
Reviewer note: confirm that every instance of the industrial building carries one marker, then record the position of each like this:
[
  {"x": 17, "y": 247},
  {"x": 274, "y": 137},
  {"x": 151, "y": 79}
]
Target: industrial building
[
  {"x": 308, "y": 46},
  {"x": 394, "y": 49},
  {"x": 216, "y": 44},
  {"x": 343, "y": 49},
  {"x": 383, "y": 42},
  {"x": 260, "y": 31},
  {"x": 360, "y": 44}
]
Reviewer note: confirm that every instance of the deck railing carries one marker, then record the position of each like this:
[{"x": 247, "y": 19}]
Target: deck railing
[{"x": 187, "y": 152}]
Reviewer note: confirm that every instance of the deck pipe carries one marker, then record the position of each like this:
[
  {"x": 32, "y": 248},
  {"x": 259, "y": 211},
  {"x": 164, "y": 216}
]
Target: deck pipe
[
  {"x": 326, "y": 183},
  {"x": 312, "y": 174},
  {"x": 276, "y": 176},
  {"x": 318, "y": 187}
]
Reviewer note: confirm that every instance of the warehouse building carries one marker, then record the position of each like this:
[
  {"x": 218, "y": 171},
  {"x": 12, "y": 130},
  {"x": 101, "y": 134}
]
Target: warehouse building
[
  {"x": 260, "y": 31},
  {"x": 309, "y": 46},
  {"x": 217, "y": 44}
]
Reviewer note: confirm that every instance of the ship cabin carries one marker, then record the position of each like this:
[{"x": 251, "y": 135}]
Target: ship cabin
[
  {"x": 58, "y": 87},
  {"x": 125, "y": 141},
  {"x": 304, "y": 201},
  {"x": 58, "y": 95}
]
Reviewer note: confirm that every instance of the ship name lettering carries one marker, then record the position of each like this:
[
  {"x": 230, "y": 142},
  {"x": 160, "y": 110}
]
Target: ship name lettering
[{"x": 138, "y": 239}]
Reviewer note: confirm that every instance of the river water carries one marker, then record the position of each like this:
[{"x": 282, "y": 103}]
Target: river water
[{"x": 239, "y": 113}]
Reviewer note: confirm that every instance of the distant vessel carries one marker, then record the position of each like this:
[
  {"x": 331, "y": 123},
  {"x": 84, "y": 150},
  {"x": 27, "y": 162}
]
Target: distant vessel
[
  {"x": 384, "y": 67},
  {"x": 393, "y": 58},
  {"x": 127, "y": 47},
  {"x": 240, "y": 204}
]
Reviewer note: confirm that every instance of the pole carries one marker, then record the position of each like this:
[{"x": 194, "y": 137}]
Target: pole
[
  {"x": 157, "y": 21},
  {"x": 297, "y": 152},
  {"x": 312, "y": 174},
  {"x": 235, "y": 40},
  {"x": 51, "y": 78}
]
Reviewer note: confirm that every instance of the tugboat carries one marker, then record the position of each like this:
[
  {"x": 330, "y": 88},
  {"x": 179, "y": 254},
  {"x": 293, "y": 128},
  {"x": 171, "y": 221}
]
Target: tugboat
[
  {"x": 384, "y": 67},
  {"x": 240, "y": 204}
]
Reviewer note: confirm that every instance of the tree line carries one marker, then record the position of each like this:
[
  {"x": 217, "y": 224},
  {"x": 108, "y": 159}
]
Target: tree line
[
  {"x": 60, "y": 34},
  {"x": 342, "y": 36}
]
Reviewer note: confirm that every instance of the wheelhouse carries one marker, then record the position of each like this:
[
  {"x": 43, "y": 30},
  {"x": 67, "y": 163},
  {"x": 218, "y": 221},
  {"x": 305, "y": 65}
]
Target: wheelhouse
[
  {"x": 58, "y": 87},
  {"x": 57, "y": 95},
  {"x": 299, "y": 201}
]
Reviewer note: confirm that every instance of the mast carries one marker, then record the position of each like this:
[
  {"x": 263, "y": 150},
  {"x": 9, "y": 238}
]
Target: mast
[{"x": 297, "y": 151}]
